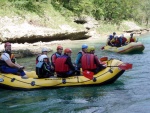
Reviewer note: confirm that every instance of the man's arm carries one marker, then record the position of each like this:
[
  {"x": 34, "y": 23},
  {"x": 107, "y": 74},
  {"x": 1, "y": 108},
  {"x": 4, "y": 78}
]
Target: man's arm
[
  {"x": 111, "y": 42},
  {"x": 78, "y": 58},
  {"x": 9, "y": 63},
  {"x": 70, "y": 63},
  {"x": 45, "y": 68},
  {"x": 97, "y": 61}
]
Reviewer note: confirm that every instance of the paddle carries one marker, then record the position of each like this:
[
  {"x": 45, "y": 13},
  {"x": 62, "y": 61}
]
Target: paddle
[{"x": 124, "y": 66}]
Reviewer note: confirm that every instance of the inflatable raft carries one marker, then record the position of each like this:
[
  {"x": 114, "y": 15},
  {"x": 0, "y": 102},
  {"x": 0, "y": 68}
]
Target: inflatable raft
[
  {"x": 109, "y": 75},
  {"x": 133, "y": 47}
]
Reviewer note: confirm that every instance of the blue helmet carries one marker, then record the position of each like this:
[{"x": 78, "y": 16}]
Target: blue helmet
[{"x": 84, "y": 46}]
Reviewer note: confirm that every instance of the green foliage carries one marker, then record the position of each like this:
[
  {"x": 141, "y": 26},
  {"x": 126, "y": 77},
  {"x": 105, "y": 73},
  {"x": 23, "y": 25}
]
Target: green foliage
[
  {"x": 143, "y": 13},
  {"x": 110, "y": 11},
  {"x": 27, "y": 5}
]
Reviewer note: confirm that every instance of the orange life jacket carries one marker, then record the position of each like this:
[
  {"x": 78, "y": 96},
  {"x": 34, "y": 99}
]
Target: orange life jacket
[
  {"x": 87, "y": 62},
  {"x": 12, "y": 56},
  {"x": 60, "y": 64}
]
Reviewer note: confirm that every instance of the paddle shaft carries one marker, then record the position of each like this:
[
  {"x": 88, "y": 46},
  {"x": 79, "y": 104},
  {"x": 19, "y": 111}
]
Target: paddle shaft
[
  {"x": 112, "y": 66},
  {"x": 124, "y": 66}
]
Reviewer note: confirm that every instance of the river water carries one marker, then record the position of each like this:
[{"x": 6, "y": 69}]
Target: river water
[{"x": 129, "y": 94}]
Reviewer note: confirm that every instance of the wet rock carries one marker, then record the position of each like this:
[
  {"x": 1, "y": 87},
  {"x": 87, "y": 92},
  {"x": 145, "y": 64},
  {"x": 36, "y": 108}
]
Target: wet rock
[{"x": 138, "y": 31}]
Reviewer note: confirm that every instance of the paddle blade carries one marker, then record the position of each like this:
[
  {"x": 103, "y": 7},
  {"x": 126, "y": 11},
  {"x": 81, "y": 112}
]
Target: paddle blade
[
  {"x": 105, "y": 58},
  {"x": 125, "y": 66},
  {"x": 88, "y": 74}
]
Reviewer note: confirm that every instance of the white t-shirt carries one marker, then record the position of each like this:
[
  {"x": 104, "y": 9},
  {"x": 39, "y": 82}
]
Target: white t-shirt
[{"x": 5, "y": 56}]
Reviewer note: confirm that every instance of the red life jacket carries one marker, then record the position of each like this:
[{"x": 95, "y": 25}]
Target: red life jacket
[
  {"x": 54, "y": 57},
  {"x": 60, "y": 64},
  {"x": 87, "y": 62},
  {"x": 117, "y": 41},
  {"x": 124, "y": 40},
  {"x": 132, "y": 40}
]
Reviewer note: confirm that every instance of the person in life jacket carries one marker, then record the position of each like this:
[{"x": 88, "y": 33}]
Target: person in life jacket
[
  {"x": 132, "y": 39},
  {"x": 63, "y": 65},
  {"x": 56, "y": 55},
  {"x": 90, "y": 62},
  {"x": 124, "y": 40},
  {"x": 116, "y": 42},
  {"x": 43, "y": 67},
  {"x": 78, "y": 58},
  {"x": 8, "y": 64},
  {"x": 44, "y": 52},
  {"x": 110, "y": 37}
]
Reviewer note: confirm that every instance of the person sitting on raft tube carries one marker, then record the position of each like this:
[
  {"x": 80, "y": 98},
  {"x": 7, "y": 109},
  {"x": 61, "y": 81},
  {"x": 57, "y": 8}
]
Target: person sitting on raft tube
[
  {"x": 124, "y": 40},
  {"x": 90, "y": 62},
  {"x": 110, "y": 38},
  {"x": 43, "y": 67},
  {"x": 78, "y": 59},
  {"x": 132, "y": 39},
  {"x": 116, "y": 42},
  {"x": 56, "y": 55},
  {"x": 8, "y": 63},
  {"x": 44, "y": 52},
  {"x": 63, "y": 65}
]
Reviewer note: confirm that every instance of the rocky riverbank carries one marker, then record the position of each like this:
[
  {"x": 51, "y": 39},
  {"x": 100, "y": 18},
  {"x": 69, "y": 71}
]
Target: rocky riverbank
[{"x": 28, "y": 39}]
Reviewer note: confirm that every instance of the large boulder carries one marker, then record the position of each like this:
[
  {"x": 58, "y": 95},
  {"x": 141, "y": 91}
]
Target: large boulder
[{"x": 26, "y": 32}]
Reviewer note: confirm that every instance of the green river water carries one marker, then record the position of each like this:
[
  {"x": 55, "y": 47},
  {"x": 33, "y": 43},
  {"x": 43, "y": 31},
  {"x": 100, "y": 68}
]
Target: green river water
[{"x": 129, "y": 94}]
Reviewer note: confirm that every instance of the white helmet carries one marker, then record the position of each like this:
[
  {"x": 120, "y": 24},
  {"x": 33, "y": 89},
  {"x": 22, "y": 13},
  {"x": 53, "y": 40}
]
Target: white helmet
[
  {"x": 44, "y": 50},
  {"x": 42, "y": 57}
]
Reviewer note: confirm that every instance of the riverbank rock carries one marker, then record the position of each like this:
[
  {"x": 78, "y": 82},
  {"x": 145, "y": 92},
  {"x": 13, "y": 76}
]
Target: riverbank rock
[
  {"x": 11, "y": 31},
  {"x": 135, "y": 29},
  {"x": 28, "y": 39},
  {"x": 138, "y": 31}
]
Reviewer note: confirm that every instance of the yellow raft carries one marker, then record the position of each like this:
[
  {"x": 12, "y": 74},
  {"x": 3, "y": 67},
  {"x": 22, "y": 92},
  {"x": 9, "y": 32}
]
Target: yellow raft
[
  {"x": 106, "y": 76},
  {"x": 133, "y": 47}
]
